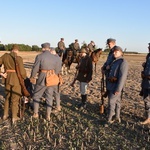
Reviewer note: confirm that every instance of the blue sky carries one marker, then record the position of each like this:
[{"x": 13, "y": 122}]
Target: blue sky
[{"x": 33, "y": 22}]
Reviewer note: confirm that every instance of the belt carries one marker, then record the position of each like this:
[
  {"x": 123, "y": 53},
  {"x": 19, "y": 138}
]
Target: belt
[
  {"x": 146, "y": 77},
  {"x": 45, "y": 71},
  {"x": 9, "y": 70},
  {"x": 112, "y": 79}
]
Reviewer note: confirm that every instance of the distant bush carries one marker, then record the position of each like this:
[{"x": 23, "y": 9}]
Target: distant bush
[
  {"x": 2, "y": 47},
  {"x": 131, "y": 53},
  {"x": 35, "y": 48}
]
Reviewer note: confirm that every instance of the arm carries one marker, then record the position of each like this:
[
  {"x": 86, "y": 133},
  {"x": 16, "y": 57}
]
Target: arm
[
  {"x": 122, "y": 76},
  {"x": 90, "y": 70},
  {"x": 21, "y": 67},
  {"x": 36, "y": 67}
]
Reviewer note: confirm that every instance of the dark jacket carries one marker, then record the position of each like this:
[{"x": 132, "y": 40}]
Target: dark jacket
[
  {"x": 110, "y": 58},
  {"x": 85, "y": 69},
  {"x": 146, "y": 73}
]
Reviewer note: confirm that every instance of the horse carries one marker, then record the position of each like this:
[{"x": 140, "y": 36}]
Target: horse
[
  {"x": 95, "y": 55},
  {"x": 67, "y": 60}
]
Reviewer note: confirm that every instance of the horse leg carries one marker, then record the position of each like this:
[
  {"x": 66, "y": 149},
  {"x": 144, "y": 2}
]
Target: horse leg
[
  {"x": 62, "y": 70},
  {"x": 66, "y": 69},
  {"x": 69, "y": 68},
  {"x": 95, "y": 68}
]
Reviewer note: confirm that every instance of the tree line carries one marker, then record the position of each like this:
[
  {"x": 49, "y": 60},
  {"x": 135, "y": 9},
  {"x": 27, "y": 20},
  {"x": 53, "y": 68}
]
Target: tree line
[{"x": 23, "y": 47}]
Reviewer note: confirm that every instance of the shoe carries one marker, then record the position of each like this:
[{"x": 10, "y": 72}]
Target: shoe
[
  {"x": 147, "y": 121},
  {"x": 48, "y": 118},
  {"x": 118, "y": 120},
  {"x": 108, "y": 123},
  {"x": 81, "y": 106},
  {"x": 141, "y": 93},
  {"x": 111, "y": 121},
  {"x": 58, "y": 109},
  {"x": 35, "y": 115},
  {"x": 5, "y": 117},
  {"x": 14, "y": 120}
]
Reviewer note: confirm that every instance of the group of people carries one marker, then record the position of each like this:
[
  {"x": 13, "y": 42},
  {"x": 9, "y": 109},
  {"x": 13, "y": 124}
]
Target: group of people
[
  {"x": 115, "y": 70},
  {"x": 75, "y": 47}
]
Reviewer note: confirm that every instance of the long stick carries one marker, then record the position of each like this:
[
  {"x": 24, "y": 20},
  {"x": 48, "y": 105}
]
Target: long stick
[
  {"x": 102, "y": 95},
  {"x": 75, "y": 78}
]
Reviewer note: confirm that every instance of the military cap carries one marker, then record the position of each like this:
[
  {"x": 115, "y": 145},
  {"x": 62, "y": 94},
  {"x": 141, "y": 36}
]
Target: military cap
[
  {"x": 45, "y": 45},
  {"x": 15, "y": 46},
  {"x": 110, "y": 40},
  {"x": 83, "y": 50},
  {"x": 118, "y": 48}
]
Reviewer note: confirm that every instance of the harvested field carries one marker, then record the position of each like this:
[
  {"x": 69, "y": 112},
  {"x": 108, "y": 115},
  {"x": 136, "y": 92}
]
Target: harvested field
[{"x": 74, "y": 129}]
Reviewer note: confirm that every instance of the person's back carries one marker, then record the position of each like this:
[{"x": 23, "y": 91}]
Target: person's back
[
  {"x": 12, "y": 84},
  {"x": 44, "y": 63}
]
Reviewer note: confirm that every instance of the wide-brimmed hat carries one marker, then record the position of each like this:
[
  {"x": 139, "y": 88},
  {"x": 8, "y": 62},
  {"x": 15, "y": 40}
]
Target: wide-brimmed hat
[{"x": 83, "y": 50}]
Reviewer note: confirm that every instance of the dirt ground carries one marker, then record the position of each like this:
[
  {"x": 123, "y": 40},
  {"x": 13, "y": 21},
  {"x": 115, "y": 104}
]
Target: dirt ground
[{"x": 74, "y": 129}]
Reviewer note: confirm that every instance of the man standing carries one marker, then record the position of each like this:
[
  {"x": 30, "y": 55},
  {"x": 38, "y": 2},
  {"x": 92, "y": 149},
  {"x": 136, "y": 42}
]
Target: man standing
[
  {"x": 61, "y": 47},
  {"x": 115, "y": 83},
  {"x": 146, "y": 86},
  {"x": 44, "y": 62},
  {"x": 84, "y": 76},
  {"x": 12, "y": 85},
  {"x": 111, "y": 44}
]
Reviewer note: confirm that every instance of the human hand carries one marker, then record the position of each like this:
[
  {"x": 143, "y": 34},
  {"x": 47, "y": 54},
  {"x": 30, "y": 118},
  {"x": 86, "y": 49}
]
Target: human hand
[
  {"x": 116, "y": 93},
  {"x": 3, "y": 74},
  {"x": 33, "y": 80},
  {"x": 143, "y": 65},
  {"x": 107, "y": 67}
]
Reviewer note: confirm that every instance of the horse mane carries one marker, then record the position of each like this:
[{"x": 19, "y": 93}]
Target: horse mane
[{"x": 97, "y": 50}]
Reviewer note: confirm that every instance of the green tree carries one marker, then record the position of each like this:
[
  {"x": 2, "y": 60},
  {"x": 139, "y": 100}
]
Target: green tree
[{"x": 35, "y": 48}]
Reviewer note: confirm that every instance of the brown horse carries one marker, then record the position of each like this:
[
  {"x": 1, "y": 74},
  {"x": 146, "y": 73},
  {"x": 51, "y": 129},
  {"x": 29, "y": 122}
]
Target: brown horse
[
  {"x": 95, "y": 55},
  {"x": 67, "y": 60}
]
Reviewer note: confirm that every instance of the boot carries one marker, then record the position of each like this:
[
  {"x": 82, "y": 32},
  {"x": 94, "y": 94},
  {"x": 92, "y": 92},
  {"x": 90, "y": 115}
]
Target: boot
[
  {"x": 6, "y": 109},
  {"x": 57, "y": 109},
  {"x": 83, "y": 103},
  {"x": 147, "y": 121},
  {"x": 35, "y": 106},
  {"x": 48, "y": 112},
  {"x": 84, "y": 99},
  {"x": 35, "y": 115},
  {"x": 15, "y": 118}
]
